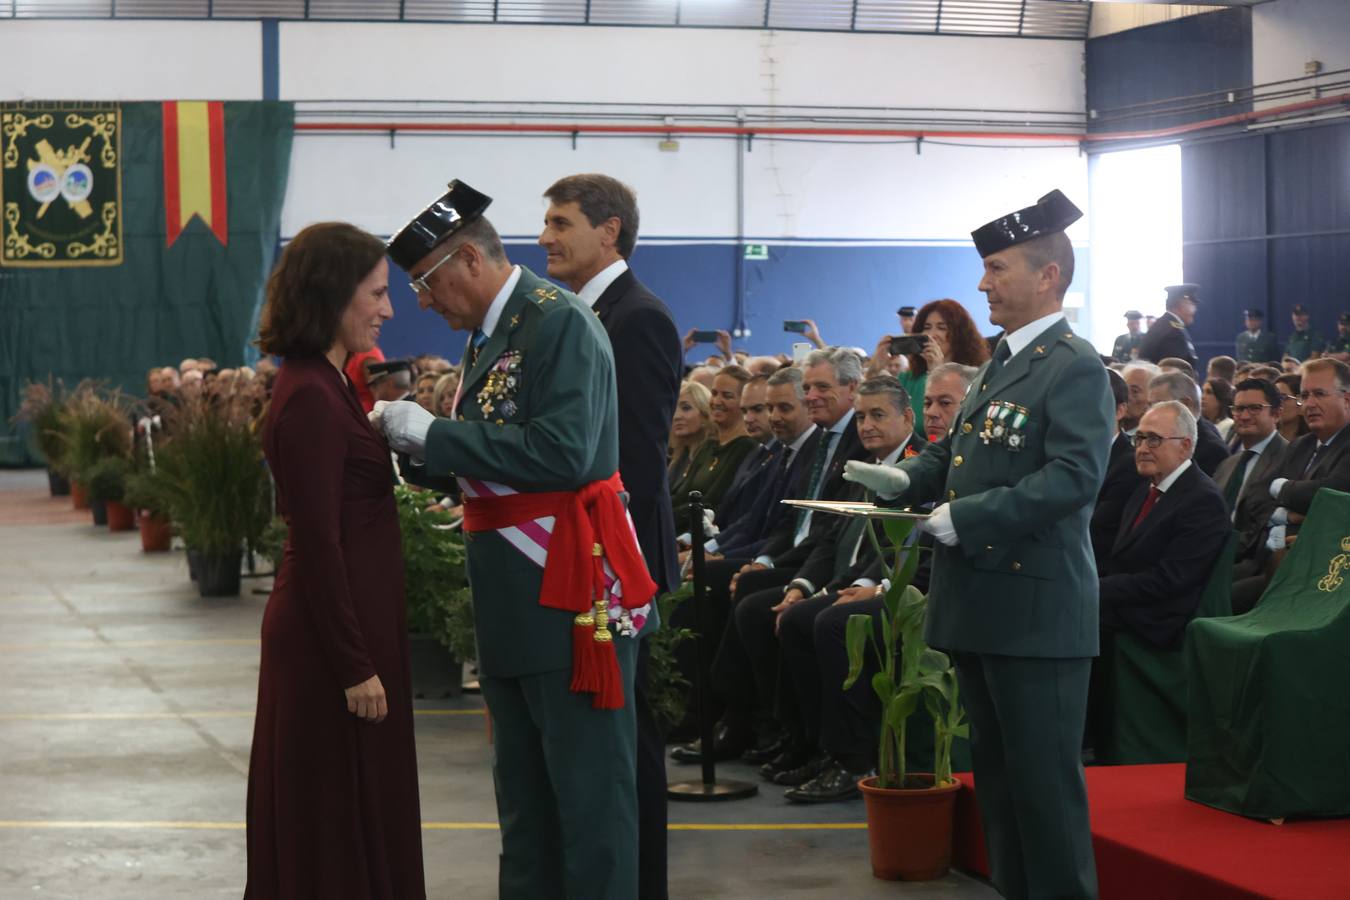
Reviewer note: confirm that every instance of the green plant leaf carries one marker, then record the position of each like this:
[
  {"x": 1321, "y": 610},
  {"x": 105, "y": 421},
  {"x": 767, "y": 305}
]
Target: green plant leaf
[
  {"x": 883, "y": 687},
  {"x": 901, "y": 707},
  {"x": 857, "y": 632}
]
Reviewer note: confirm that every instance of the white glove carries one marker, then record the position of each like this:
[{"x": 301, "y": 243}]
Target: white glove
[
  {"x": 940, "y": 526},
  {"x": 405, "y": 424},
  {"x": 710, "y": 528},
  {"x": 1275, "y": 540},
  {"x": 376, "y": 413},
  {"x": 886, "y": 481}
]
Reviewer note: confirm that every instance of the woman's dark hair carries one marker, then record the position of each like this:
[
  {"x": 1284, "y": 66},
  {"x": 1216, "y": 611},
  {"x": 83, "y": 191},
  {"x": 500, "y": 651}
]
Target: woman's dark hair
[
  {"x": 1222, "y": 389},
  {"x": 1291, "y": 380},
  {"x": 312, "y": 284},
  {"x": 964, "y": 343}
]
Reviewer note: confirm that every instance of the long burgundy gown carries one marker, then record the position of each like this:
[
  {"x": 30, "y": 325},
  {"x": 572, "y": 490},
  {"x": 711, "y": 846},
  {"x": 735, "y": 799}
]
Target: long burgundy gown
[{"x": 332, "y": 801}]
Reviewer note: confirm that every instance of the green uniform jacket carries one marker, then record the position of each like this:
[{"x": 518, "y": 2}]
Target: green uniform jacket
[
  {"x": 555, "y": 428},
  {"x": 1301, "y": 345},
  {"x": 1022, "y": 581},
  {"x": 1258, "y": 348}
]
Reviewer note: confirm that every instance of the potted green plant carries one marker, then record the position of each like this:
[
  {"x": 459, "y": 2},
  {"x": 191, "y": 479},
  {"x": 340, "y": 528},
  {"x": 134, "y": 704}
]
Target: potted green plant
[
  {"x": 147, "y": 496},
  {"x": 43, "y": 408},
  {"x": 94, "y": 423},
  {"x": 436, "y": 587},
  {"x": 909, "y": 815},
  {"x": 107, "y": 483},
  {"x": 216, "y": 488}
]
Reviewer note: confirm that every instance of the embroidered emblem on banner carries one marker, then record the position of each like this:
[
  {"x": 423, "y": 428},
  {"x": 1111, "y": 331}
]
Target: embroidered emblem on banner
[
  {"x": 1339, "y": 563},
  {"x": 60, "y": 185}
]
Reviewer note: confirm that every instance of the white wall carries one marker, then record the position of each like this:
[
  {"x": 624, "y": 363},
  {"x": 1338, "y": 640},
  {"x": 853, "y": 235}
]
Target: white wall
[
  {"x": 1288, "y": 33},
  {"x": 97, "y": 59}
]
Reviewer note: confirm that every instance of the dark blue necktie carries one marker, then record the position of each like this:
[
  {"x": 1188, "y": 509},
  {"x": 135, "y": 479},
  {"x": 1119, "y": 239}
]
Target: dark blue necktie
[{"x": 476, "y": 342}]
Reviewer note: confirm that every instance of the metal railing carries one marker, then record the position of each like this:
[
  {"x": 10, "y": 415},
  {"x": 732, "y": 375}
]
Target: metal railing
[{"x": 1062, "y": 19}]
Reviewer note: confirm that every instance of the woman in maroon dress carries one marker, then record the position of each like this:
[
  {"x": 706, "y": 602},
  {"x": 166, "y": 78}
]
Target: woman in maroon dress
[{"x": 332, "y": 790}]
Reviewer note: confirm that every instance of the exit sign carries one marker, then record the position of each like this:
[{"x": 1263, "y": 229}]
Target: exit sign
[{"x": 756, "y": 251}]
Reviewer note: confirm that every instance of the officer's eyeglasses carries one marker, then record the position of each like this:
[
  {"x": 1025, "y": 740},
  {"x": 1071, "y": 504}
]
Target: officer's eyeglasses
[
  {"x": 1154, "y": 441},
  {"x": 1251, "y": 408},
  {"x": 419, "y": 284},
  {"x": 1318, "y": 394}
]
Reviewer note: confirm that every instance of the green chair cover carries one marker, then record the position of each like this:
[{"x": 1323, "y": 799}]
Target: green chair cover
[
  {"x": 1269, "y": 707},
  {"x": 1146, "y": 685}
]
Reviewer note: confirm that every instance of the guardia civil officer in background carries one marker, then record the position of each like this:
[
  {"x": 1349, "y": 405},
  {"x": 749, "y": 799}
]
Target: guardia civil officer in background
[
  {"x": 1013, "y": 590},
  {"x": 1126, "y": 347},
  {"x": 535, "y": 445},
  {"x": 1168, "y": 335},
  {"x": 590, "y": 230},
  {"x": 1255, "y": 344}
]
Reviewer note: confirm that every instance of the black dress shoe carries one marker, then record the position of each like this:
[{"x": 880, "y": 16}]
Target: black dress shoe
[
  {"x": 765, "y": 751},
  {"x": 832, "y": 785},
  {"x": 803, "y": 773},
  {"x": 727, "y": 745},
  {"x": 789, "y": 758}
]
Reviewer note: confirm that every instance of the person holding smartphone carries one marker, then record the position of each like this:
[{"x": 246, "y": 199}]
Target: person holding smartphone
[{"x": 943, "y": 332}]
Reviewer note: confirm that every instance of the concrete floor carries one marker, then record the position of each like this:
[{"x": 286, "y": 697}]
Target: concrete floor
[{"x": 126, "y": 718}]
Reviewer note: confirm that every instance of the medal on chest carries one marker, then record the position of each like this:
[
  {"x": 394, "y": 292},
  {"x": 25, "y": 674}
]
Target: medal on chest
[
  {"x": 497, "y": 395},
  {"x": 1004, "y": 423}
]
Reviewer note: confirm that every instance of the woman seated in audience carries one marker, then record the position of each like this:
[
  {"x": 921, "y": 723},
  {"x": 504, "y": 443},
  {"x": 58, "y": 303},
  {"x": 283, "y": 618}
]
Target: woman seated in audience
[
  {"x": 443, "y": 395},
  {"x": 691, "y": 426},
  {"x": 1292, "y": 424},
  {"x": 715, "y": 463},
  {"x": 1216, "y": 405},
  {"x": 424, "y": 390},
  {"x": 952, "y": 337}
]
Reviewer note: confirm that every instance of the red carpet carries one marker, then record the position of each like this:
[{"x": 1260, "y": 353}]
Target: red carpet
[{"x": 1153, "y": 843}]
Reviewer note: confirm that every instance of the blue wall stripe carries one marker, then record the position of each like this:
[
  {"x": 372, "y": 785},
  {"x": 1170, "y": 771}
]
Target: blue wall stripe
[{"x": 271, "y": 59}]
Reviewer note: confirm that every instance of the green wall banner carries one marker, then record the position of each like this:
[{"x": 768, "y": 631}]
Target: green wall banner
[{"x": 195, "y": 190}]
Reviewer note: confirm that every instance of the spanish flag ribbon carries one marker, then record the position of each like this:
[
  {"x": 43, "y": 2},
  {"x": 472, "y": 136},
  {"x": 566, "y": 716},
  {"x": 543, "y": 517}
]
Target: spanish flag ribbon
[{"x": 194, "y": 167}]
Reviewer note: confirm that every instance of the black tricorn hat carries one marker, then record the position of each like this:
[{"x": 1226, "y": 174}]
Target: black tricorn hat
[
  {"x": 1052, "y": 214},
  {"x": 1254, "y": 313},
  {"x": 1177, "y": 291},
  {"x": 459, "y": 206},
  {"x": 907, "y": 311},
  {"x": 377, "y": 370}
]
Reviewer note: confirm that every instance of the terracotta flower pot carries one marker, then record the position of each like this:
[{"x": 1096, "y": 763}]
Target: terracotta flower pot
[
  {"x": 156, "y": 533},
  {"x": 120, "y": 516},
  {"x": 79, "y": 497},
  {"x": 910, "y": 831}
]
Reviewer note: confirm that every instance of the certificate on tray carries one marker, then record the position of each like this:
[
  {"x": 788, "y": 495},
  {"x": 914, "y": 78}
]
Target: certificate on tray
[{"x": 857, "y": 509}]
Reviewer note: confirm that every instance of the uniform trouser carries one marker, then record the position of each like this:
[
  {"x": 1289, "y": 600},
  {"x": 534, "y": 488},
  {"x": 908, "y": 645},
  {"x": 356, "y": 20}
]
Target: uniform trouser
[
  {"x": 566, "y": 787},
  {"x": 815, "y": 664},
  {"x": 1026, "y": 730}
]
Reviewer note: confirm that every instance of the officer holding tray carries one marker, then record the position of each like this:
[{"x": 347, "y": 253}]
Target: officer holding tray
[
  {"x": 1013, "y": 591},
  {"x": 560, "y": 589}
]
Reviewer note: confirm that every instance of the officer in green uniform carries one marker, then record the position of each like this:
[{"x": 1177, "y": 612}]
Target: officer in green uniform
[
  {"x": 1305, "y": 343},
  {"x": 537, "y": 412},
  {"x": 1013, "y": 591},
  {"x": 1340, "y": 347},
  {"x": 1256, "y": 345},
  {"x": 1127, "y": 345}
]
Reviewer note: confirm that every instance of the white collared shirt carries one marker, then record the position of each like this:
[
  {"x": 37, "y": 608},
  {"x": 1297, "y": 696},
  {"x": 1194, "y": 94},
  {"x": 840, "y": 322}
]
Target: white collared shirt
[
  {"x": 590, "y": 291},
  {"x": 1172, "y": 476},
  {"x": 1020, "y": 339},
  {"x": 494, "y": 312}
]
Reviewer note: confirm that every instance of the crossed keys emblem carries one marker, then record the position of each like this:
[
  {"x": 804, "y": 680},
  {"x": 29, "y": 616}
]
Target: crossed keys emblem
[{"x": 1339, "y": 563}]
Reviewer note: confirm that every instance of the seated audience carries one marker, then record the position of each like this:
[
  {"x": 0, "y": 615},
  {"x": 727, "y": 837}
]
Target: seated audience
[
  {"x": 1216, "y": 405},
  {"x": 1292, "y": 426},
  {"x": 1256, "y": 411},
  {"x": 714, "y": 464},
  {"x": 945, "y": 389},
  {"x": 443, "y": 396},
  {"x": 1210, "y": 449},
  {"x": 425, "y": 390},
  {"x": 1176, "y": 364},
  {"x": 1224, "y": 367},
  {"x": 754, "y": 471},
  {"x": 1137, "y": 376},
  {"x": 1122, "y": 477}
]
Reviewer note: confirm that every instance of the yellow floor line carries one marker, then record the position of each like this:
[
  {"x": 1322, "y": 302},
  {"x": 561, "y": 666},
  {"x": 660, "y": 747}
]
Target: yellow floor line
[
  {"x": 48, "y": 824},
  {"x": 138, "y": 716}
]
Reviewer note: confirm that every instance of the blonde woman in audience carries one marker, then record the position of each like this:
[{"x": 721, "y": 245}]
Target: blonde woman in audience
[
  {"x": 424, "y": 390},
  {"x": 715, "y": 462},
  {"x": 443, "y": 395},
  {"x": 691, "y": 426}
]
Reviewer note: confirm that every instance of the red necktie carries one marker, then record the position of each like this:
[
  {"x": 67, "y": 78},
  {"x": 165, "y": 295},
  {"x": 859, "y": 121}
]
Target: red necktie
[{"x": 1152, "y": 498}]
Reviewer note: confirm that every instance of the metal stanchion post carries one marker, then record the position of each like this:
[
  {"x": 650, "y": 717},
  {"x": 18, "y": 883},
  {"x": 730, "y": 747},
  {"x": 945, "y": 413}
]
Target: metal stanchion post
[{"x": 708, "y": 788}]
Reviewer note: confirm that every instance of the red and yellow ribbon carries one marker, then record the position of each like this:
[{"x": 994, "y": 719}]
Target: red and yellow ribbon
[{"x": 194, "y": 168}]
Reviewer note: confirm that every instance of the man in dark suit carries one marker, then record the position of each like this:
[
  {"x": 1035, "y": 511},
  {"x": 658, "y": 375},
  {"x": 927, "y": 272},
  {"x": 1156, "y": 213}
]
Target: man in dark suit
[
  {"x": 1210, "y": 449},
  {"x": 590, "y": 230},
  {"x": 1316, "y": 460},
  {"x": 1121, "y": 476},
  {"x": 1168, "y": 336},
  {"x": 1171, "y": 531},
  {"x": 1256, "y": 414},
  {"x": 1013, "y": 592}
]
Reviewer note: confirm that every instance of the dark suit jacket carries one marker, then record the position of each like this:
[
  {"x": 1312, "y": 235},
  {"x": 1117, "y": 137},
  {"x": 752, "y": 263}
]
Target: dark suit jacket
[
  {"x": 648, "y": 359},
  {"x": 745, "y": 537},
  {"x": 1255, "y": 505},
  {"x": 750, "y": 480},
  {"x": 833, "y": 487},
  {"x": 1117, "y": 488},
  {"x": 1168, "y": 337},
  {"x": 1210, "y": 449},
  {"x": 1150, "y": 584},
  {"x": 1265, "y": 464}
]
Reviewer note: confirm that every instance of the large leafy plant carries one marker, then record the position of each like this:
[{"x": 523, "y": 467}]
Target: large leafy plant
[
  {"x": 910, "y": 672},
  {"x": 435, "y": 578},
  {"x": 93, "y": 423},
  {"x": 44, "y": 408}
]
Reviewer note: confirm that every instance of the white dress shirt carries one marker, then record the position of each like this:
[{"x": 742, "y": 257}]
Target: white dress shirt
[
  {"x": 494, "y": 313},
  {"x": 590, "y": 291}
]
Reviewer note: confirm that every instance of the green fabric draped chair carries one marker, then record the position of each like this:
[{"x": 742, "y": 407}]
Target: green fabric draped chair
[
  {"x": 1145, "y": 686},
  {"x": 1269, "y": 706}
]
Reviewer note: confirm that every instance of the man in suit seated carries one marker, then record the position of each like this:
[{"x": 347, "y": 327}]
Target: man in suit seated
[
  {"x": 1210, "y": 449},
  {"x": 1256, "y": 413},
  {"x": 1121, "y": 476},
  {"x": 1171, "y": 530},
  {"x": 1316, "y": 460}
]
